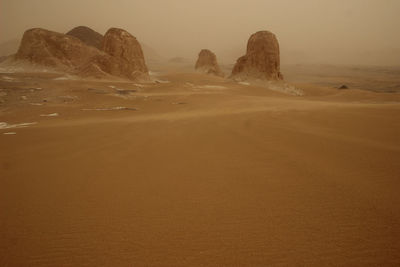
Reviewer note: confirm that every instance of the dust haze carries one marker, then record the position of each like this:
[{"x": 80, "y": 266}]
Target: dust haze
[
  {"x": 181, "y": 148},
  {"x": 311, "y": 31}
]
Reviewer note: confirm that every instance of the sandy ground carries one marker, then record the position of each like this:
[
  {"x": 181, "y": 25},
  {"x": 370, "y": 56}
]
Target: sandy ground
[{"x": 199, "y": 171}]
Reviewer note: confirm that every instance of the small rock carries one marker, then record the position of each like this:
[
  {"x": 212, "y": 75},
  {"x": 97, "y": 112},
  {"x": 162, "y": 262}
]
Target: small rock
[{"x": 207, "y": 63}]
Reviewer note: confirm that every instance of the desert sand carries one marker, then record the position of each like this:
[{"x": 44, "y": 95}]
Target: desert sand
[{"x": 197, "y": 170}]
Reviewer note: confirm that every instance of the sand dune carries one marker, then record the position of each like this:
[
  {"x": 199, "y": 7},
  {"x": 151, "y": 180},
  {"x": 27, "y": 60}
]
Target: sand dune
[{"x": 200, "y": 171}]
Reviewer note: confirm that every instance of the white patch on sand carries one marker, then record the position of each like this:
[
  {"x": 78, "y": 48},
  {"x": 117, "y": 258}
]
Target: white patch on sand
[
  {"x": 10, "y": 133},
  {"x": 125, "y": 93},
  {"x": 161, "y": 81},
  {"x": 285, "y": 88},
  {"x": 5, "y": 125},
  {"x": 7, "y": 78},
  {"x": 123, "y": 96},
  {"x": 50, "y": 115},
  {"x": 139, "y": 85},
  {"x": 66, "y": 77},
  {"x": 24, "y": 97},
  {"x": 112, "y": 86},
  {"x": 5, "y": 70},
  {"x": 36, "y": 104},
  {"x": 244, "y": 83}
]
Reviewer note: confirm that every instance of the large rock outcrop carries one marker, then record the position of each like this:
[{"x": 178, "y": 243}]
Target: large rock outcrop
[
  {"x": 207, "y": 63},
  {"x": 120, "y": 54},
  {"x": 54, "y": 49},
  {"x": 87, "y": 36},
  {"x": 128, "y": 53},
  {"x": 262, "y": 60}
]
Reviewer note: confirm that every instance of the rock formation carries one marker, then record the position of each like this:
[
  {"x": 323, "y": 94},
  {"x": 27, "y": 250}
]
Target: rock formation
[
  {"x": 87, "y": 36},
  {"x": 121, "y": 54},
  {"x": 54, "y": 49},
  {"x": 178, "y": 60},
  {"x": 9, "y": 47},
  {"x": 262, "y": 60},
  {"x": 207, "y": 63},
  {"x": 150, "y": 54},
  {"x": 128, "y": 53}
]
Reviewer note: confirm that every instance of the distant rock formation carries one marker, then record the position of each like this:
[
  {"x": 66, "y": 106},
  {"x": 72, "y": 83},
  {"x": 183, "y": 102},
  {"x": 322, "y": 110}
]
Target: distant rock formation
[
  {"x": 207, "y": 63},
  {"x": 9, "y": 47},
  {"x": 121, "y": 54},
  {"x": 262, "y": 60},
  {"x": 150, "y": 54},
  {"x": 178, "y": 60},
  {"x": 87, "y": 36}
]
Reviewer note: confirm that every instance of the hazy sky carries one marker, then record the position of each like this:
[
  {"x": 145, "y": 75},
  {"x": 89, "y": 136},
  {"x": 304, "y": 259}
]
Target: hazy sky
[{"x": 340, "y": 31}]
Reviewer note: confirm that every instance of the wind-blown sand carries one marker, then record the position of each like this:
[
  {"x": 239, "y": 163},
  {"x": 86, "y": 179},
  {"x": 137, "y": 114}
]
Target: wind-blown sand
[{"x": 200, "y": 171}]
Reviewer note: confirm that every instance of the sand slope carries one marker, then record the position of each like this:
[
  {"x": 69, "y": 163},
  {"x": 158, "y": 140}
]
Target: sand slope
[{"x": 199, "y": 171}]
